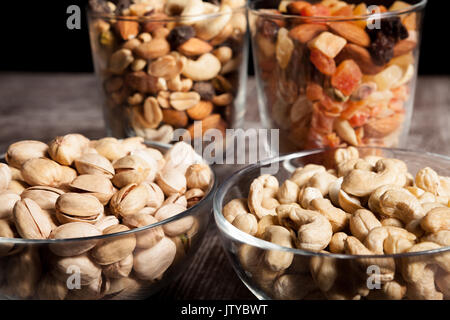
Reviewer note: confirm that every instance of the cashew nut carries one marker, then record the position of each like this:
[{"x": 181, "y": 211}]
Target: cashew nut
[
  {"x": 265, "y": 222},
  {"x": 209, "y": 28},
  {"x": 375, "y": 240},
  {"x": 348, "y": 202},
  {"x": 420, "y": 272},
  {"x": 235, "y": 208},
  {"x": 255, "y": 199},
  {"x": 344, "y": 168},
  {"x": 337, "y": 217},
  {"x": 337, "y": 243},
  {"x": 322, "y": 181},
  {"x": 362, "y": 222},
  {"x": 288, "y": 192},
  {"x": 392, "y": 290},
  {"x": 307, "y": 195},
  {"x": 345, "y": 154},
  {"x": 436, "y": 220},
  {"x": 204, "y": 68},
  {"x": 278, "y": 260},
  {"x": 301, "y": 176},
  {"x": 387, "y": 171},
  {"x": 441, "y": 237},
  {"x": 247, "y": 223},
  {"x": 334, "y": 189},
  {"x": 428, "y": 180},
  {"x": 293, "y": 286},
  {"x": 392, "y": 222}
]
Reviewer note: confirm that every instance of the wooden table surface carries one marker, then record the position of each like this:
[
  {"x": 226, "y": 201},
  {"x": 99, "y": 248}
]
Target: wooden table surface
[{"x": 42, "y": 106}]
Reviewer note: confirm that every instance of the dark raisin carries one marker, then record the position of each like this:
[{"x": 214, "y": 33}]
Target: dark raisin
[
  {"x": 205, "y": 90},
  {"x": 268, "y": 29},
  {"x": 382, "y": 49},
  {"x": 180, "y": 35}
]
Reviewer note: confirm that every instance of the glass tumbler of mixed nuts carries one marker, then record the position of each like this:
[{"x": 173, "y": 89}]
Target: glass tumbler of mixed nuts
[
  {"x": 170, "y": 64},
  {"x": 333, "y": 73}
]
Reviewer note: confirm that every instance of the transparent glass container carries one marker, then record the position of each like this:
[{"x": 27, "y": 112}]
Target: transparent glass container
[
  {"x": 345, "y": 78},
  {"x": 69, "y": 269},
  {"x": 159, "y": 73},
  {"x": 318, "y": 276}
]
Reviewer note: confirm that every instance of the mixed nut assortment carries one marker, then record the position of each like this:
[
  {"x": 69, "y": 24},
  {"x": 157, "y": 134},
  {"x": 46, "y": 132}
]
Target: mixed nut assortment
[
  {"x": 73, "y": 188},
  {"x": 363, "y": 206},
  {"x": 169, "y": 64},
  {"x": 332, "y": 76}
]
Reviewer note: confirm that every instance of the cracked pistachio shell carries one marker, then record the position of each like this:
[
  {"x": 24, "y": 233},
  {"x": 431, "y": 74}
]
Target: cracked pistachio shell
[
  {"x": 30, "y": 221},
  {"x": 119, "y": 269},
  {"x": 176, "y": 198},
  {"x": 180, "y": 157},
  {"x": 78, "y": 207},
  {"x": 50, "y": 288},
  {"x": 133, "y": 144},
  {"x": 110, "y": 148},
  {"x": 198, "y": 176},
  {"x": 5, "y": 176},
  {"x": 194, "y": 196},
  {"x": 67, "y": 176},
  {"x": 152, "y": 159},
  {"x": 24, "y": 271},
  {"x": 150, "y": 264},
  {"x": 7, "y": 201},
  {"x": 64, "y": 267},
  {"x": 92, "y": 163},
  {"x": 20, "y": 152},
  {"x": 146, "y": 238},
  {"x": 42, "y": 172},
  {"x": 45, "y": 197},
  {"x": 123, "y": 288},
  {"x": 106, "y": 222},
  {"x": 171, "y": 181},
  {"x": 96, "y": 185},
  {"x": 114, "y": 249},
  {"x": 176, "y": 227},
  {"x": 66, "y": 149},
  {"x": 155, "y": 195},
  {"x": 130, "y": 169},
  {"x": 73, "y": 230},
  {"x": 129, "y": 200}
]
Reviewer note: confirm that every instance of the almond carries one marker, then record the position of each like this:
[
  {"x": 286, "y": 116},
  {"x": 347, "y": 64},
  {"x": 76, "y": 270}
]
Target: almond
[
  {"x": 223, "y": 99},
  {"x": 380, "y": 128},
  {"x": 197, "y": 129},
  {"x": 127, "y": 29},
  {"x": 142, "y": 82},
  {"x": 351, "y": 32},
  {"x": 306, "y": 32},
  {"x": 404, "y": 47},
  {"x": 361, "y": 56},
  {"x": 200, "y": 111},
  {"x": 154, "y": 23},
  {"x": 195, "y": 47},
  {"x": 296, "y": 7},
  {"x": 175, "y": 118}
]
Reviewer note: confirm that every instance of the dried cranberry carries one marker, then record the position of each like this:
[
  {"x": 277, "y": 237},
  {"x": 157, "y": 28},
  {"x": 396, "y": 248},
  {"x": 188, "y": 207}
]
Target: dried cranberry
[
  {"x": 268, "y": 28},
  {"x": 205, "y": 90},
  {"x": 180, "y": 35}
]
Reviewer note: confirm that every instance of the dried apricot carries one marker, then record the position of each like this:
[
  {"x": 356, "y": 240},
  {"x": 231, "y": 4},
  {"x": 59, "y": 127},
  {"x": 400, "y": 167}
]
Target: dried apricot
[
  {"x": 296, "y": 7},
  {"x": 359, "y": 119},
  {"x": 347, "y": 77},
  {"x": 316, "y": 10},
  {"x": 324, "y": 64},
  {"x": 314, "y": 92}
]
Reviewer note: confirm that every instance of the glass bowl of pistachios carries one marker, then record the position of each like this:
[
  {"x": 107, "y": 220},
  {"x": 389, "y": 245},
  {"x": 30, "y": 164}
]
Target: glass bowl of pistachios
[
  {"x": 340, "y": 224},
  {"x": 99, "y": 219}
]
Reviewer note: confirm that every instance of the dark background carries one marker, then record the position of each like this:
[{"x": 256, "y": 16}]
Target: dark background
[{"x": 34, "y": 37}]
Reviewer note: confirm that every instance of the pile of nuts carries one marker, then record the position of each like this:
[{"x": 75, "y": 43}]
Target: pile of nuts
[
  {"x": 77, "y": 188},
  {"x": 364, "y": 206},
  {"x": 166, "y": 65},
  {"x": 336, "y": 83}
]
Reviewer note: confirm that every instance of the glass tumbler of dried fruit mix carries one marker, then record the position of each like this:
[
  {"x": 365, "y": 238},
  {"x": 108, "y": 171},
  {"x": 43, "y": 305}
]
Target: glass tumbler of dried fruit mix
[
  {"x": 332, "y": 73},
  {"x": 170, "y": 64}
]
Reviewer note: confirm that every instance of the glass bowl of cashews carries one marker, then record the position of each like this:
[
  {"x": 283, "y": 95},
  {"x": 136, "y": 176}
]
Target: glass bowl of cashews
[
  {"x": 350, "y": 223},
  {"x": 99, "y": 219},
  {"x": 165, "y": 65}
]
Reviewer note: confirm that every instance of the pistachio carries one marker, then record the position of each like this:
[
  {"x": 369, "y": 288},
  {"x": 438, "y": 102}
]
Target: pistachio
[
  {"x": 130, "y": 169},
  {"x": 180, "y": 157},
  {"x": 24, "y": 271},
  {"x": 95, "y": 185},
  {"x": 88, "y": 270},
  {"x": 193, "y": 196},
  {"x": 106, "y": 222},
  {"x": 198, "y": 176},
  {"x": 177, "y": 227},
  {"x": 6, "y": 231},
  {"x": 42, "y": 172},
  {"x": 171, "y": 181},
  {"x": 133, "y": 144},
  {"x": 146, "y": 238},
  {"x": 114, "y": 249},
  {"x": 123, "y": 288},
  {"x": 67, "y": 176},
  {"x": 120, "y": 268},
  {"x": 20, "y": 152},
  {"x": 150, "y": 157},
  {"x": 155, "y": 195},
  {"x": 77, "y": 207},
  {"x": 16, "y": 174},
  {"x": 73, "y": 230},
  {"x": 176, "y": 198},
  {"x": 92, "y": 163},
  {"x": 129, "y": 200},
  {"x": 17, "y": 187},
  {"x": 5, "y": 176},
  {"x": 50, "y": 288},
  {"x": 66, "y": 149},
  {"x": 110, "y": 148},
  {"x": 45, "y": 197},
  {"x": 150, "y": 264},
  {"x": 7, "y": 201},
  {"x": 30, "y": 221}
]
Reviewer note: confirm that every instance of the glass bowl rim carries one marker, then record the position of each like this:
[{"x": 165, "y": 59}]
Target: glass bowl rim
[
  {"x": 413, "y": 8},
  {"x": 188, "y": 212},
  {"x": 109, "y": 16},
  {"x": 234, "y": 233}
]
